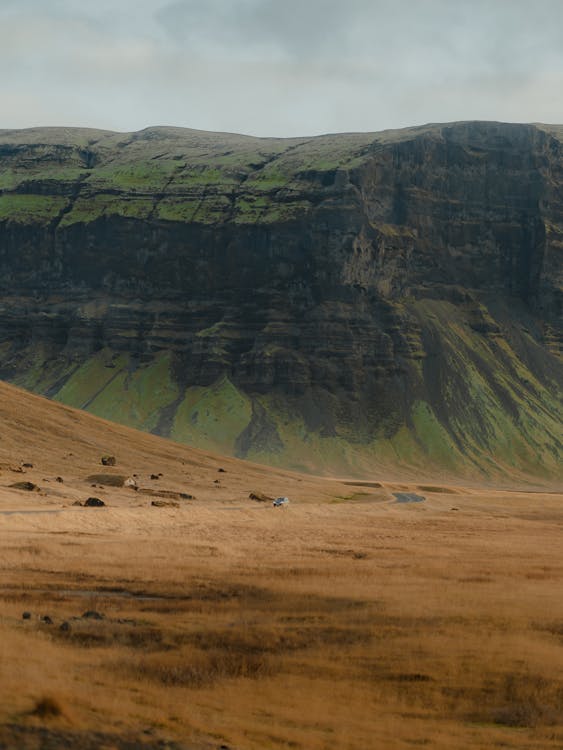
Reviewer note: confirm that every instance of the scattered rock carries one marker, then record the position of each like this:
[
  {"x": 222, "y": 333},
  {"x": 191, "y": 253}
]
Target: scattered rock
[
  {"x": 27, "y": 466},
  {"x": 217, "y": 481},
  {"x": 221, "y": 471},
  {"x": 165, "y": 504},
  {"x": 46, "y": 620},
  {"x": 108, "y": 480},
  {"x": 171, "y": 494},
  {"x": 28, "y": 486},
  {"x": 130, "y": 482},
  {"x": 108, "y": 460},
  {"x": 64, "y": 627},
  {"x": 260, "y": 497},
  {"x": 59, "y": 479},
  {"x": 279, "y": 501},
  {"x": 91, "y": 614},
  {"x": 26, "y": 616},
  {"x": 155, "y": 476},
  {"x": 94, "y": 502}
]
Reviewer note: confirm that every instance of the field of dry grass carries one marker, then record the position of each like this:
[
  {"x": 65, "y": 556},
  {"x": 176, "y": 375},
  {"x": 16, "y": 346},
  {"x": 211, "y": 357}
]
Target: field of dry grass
[{"x": 345, "y": 620}]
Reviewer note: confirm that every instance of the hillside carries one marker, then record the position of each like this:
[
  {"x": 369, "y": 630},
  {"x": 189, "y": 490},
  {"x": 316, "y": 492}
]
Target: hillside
[
  {"x": 43, "y": 440},
  {"x": 342, "y": 303}
]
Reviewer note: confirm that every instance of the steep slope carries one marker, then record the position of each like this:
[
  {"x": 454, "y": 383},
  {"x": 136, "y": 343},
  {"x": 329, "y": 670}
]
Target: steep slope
[{"x": 334, "y": 303}]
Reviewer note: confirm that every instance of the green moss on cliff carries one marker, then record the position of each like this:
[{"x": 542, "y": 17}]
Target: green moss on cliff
[
  {"x": 213, "y": 417},
  {"x": 30, "y": 209},
  {"x": 107, "y": 386}
]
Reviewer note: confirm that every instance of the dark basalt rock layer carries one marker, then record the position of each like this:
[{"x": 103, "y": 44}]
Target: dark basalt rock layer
[{"x": 341, "y": 302}]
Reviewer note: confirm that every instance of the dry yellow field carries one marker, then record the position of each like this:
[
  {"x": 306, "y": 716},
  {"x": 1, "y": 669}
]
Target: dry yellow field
[{"x": 345, "y": 620}]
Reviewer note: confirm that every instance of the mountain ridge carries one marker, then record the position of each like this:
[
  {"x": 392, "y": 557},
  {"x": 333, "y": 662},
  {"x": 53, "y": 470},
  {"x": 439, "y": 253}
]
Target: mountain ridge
[{"x": 330, "y": 303}]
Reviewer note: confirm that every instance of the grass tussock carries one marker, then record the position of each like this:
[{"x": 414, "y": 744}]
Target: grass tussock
[{"x": 47, "y": 707}]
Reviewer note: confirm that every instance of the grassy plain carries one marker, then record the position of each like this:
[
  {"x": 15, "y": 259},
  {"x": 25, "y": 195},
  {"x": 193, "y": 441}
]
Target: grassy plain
[{"x": 344, "y": 620}]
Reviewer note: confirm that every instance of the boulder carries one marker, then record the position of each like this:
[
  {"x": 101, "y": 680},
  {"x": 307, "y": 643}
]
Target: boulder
[
  {"x": 260, "y": 497},
  {"x": 108, "y": 460},
  {"x": 27, "y": 486},
  {"x": 92, "y": 614},
  {"x": 109, "y": 480},
  {"x": 94, "y": 502}
]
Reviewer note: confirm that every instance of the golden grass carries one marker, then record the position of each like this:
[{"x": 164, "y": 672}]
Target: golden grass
[
  {"x": 355, "y": 624},
  {"x": 319, "y": 626}
]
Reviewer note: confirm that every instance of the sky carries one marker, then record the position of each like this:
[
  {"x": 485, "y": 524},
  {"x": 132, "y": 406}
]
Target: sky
[{"x": 279, "y": 67}]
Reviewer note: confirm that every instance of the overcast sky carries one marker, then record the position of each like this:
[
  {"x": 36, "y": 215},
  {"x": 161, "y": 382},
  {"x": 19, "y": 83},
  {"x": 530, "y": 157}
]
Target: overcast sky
[{"x": 279, "y": 67}]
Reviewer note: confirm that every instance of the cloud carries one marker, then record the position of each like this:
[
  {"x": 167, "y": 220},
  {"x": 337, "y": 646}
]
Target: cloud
[{"x": 272, "y": 68}]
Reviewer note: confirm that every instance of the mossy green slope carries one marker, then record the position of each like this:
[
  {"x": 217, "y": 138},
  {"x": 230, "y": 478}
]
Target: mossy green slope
[{"x": 476, "y": 408}]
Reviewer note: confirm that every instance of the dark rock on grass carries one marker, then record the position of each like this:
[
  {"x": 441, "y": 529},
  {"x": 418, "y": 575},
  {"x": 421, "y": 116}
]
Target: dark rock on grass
[
  {"x": 108, "y": 460},
  {"x": 165, "y": 504},
  {"x": 92, "y": 614},
  {"x": 109, "y": 480},
  {"x": 47, "y": 707},
  {"x": 27, "y": 486},
  {"x": 26, "y": 615},
  {"x": 169, "y": 494},
  {"x": 94, "y": 502},
  {"x": 260, "y": 497}
]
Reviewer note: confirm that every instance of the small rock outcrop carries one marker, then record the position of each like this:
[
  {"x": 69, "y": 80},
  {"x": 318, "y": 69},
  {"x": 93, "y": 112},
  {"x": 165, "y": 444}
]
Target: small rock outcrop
[
  {"x": 94, "y": 502},
  {"x": 107, "y": 480},
  {"x": 27, "y": 486},
  {"x": 260, "y": 497},
  {"x": 92, "y": 614}
]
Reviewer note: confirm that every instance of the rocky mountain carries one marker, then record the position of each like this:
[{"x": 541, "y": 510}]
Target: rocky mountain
[{"x": 343, "y": 303}]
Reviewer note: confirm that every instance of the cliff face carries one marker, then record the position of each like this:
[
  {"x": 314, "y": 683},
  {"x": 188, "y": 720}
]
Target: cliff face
[{"x": 341, "y": 302}]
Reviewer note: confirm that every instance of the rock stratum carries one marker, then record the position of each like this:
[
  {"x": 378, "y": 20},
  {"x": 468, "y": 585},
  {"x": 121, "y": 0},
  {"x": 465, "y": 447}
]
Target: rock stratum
[{"x": 344, "y": 303}]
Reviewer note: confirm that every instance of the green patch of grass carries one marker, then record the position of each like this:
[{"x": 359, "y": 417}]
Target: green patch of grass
[
  {"x": 86, "y": 210},
  {"x": 137, "y": 399},
  {"x": 27, "y": 209},
  {"x": 212, "y": 417},
  {"x": 91, "y": 378},
  {"x": 144, "y": 176},
  {"x": 437, "y": 443}
]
